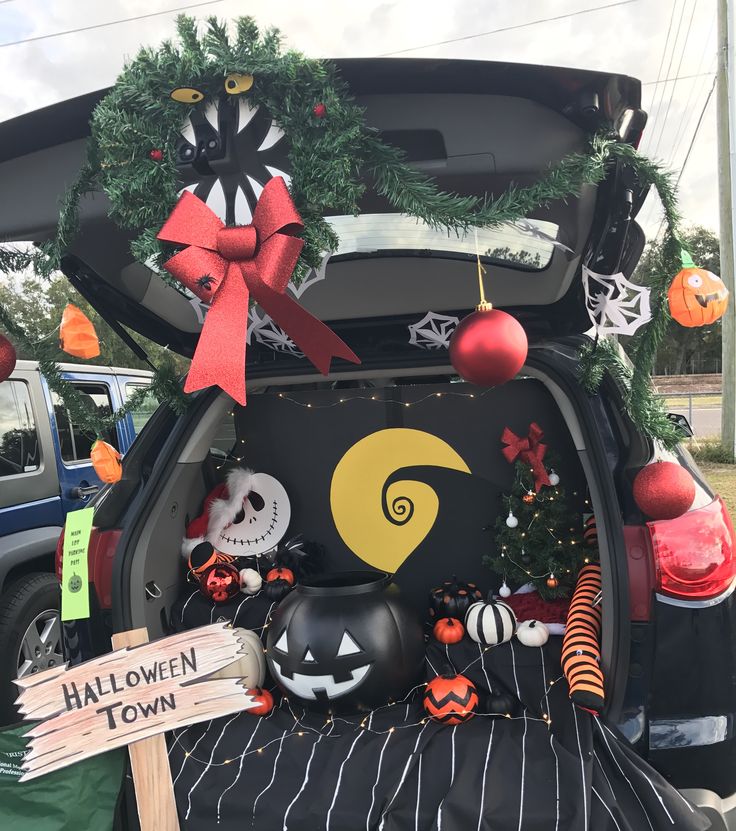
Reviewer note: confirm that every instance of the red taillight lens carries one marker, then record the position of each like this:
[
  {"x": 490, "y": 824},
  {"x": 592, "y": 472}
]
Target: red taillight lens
[
  {"x": 100, "y": 556},
  {"x": 694, "y": 554},
  {"x": 59, "y": 551}
]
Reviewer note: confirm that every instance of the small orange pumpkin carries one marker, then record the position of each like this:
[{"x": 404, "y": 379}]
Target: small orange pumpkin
[
  {"x": 281, "y": 574},
  {"x": 106, "y": 461},
  {"x": 77, "y": 335},
  {"x": 448, "y": 630},
  {"x": 697, "y": 297}
]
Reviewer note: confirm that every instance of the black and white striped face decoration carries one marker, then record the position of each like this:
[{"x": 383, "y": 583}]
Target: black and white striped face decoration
[{"x": 490, "y": 623}]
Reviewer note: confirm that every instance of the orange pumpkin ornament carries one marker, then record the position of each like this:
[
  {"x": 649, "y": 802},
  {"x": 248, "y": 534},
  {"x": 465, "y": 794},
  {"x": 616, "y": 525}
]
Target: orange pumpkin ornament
[
  {"x": 106, "y": 461},
  {"x": 697, "y": 297},
  {"x": 77, "y": 335},
  {"x": 448, "y": 630}
]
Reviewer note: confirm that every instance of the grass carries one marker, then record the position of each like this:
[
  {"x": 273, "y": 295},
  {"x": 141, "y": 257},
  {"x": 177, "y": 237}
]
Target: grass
[
  {"x": 710, "y": 451},
  {"x": 680, "y": 402},
  {"x": 722, "y": 478}
]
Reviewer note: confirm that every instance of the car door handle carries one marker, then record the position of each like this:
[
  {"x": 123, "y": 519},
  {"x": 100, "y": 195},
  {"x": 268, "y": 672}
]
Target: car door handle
[{"x": 83, "y": 491}]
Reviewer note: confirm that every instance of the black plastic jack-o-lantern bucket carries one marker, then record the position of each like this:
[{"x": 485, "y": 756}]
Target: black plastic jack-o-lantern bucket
[{"x": 341, "y": 643}]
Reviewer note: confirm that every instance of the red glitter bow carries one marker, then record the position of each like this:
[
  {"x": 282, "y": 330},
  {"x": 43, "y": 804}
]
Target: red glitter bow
[
  {"x": 225, "y": 266},
  {"x": 529, "y": 450}
]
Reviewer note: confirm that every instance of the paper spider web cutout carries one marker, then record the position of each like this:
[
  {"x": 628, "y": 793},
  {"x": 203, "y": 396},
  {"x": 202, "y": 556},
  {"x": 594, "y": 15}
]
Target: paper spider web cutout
[
  {"x": 270, "y": 334},
  {"x": 433, "y": 331},
  {"x": 616, "y": 306}
]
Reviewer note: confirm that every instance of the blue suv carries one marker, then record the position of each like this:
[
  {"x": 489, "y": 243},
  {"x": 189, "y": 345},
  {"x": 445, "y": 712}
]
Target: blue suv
[{"x": 45, "y": 471}]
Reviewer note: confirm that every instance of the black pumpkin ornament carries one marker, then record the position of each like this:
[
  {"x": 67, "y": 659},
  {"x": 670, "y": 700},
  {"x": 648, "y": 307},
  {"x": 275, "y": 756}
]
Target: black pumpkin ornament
[
  {"x": 340, "y": 643},
  {"x": 277, "y": 589},
  {"x": 502, "y": 703},
  {"x": 453, "y": 598}
]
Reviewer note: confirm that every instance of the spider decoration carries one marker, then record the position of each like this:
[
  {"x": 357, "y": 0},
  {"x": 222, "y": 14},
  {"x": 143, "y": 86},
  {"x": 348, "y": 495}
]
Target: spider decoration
[{"x": 616, "y": 306}]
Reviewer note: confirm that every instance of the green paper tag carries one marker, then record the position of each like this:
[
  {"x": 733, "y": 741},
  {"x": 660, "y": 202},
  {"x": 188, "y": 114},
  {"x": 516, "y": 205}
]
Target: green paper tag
[
  {"x": 74, "y": 582},
  {"x": 687, "y": 260}
]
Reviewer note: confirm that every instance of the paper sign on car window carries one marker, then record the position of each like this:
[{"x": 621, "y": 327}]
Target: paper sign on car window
[{"x": 74, "y": 582}]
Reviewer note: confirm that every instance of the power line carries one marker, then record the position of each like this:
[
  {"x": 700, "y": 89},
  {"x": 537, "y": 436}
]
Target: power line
[
  {"x": 109, "y": 23},
  {"x": 677, "y": 72},
  {"x": 508, "y": 28},
  {"x": 678, "y": 78}
]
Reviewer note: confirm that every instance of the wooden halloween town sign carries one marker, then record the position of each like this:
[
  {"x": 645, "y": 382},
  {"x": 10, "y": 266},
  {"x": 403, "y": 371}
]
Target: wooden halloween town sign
[{"x": 131, "y": 697}]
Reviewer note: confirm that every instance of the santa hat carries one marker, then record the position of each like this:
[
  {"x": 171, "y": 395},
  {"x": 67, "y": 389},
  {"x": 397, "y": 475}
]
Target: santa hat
[
  {"x": 528, "y": 604},
  {"x": 219, "y": 509}
]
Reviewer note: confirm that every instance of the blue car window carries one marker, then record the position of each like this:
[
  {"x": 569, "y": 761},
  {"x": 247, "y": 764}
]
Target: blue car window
[
  {"x": 75, "y": 444},
  {"x": 19, "y": 450}
]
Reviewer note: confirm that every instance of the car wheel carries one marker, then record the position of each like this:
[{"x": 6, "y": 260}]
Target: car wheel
[{"x": 30, "y": 634}]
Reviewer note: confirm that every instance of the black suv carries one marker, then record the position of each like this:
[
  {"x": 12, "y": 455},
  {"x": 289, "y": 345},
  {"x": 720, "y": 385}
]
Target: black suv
[{"x": 394, "y": 292}]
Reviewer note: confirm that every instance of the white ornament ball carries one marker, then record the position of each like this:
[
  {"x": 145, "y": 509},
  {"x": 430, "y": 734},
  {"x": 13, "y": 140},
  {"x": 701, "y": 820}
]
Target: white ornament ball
[
  {"x": 554, "y": 479},
  {"x": 511, "y": 520},
  {"x": 504, "y": 591},
  {"x": 250, "y": 581},
  {"x": 532, "y": 633}
]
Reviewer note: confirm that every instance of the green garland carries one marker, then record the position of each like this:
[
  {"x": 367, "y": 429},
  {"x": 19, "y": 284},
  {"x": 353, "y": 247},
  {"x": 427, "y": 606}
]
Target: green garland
[{"x": 331, "y": 158}]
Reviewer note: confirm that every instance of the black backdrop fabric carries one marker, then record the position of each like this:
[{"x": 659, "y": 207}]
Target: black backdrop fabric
[{"x": 396, "y": 770}]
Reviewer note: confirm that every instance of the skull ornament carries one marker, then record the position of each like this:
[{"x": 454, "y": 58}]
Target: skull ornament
[{"x": 339, "y": 643}]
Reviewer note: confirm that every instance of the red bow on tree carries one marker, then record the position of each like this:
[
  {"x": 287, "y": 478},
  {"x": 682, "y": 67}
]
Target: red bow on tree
[
  {"x": 529, "y": 450},
  {"x": 225, "y": 266}
]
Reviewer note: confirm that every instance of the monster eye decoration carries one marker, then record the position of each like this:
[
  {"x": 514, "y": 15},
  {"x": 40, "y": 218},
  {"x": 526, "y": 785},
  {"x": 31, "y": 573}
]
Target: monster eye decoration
[
  {"x": 237, "y": 83},
  {"x": 187, "y": 95}
]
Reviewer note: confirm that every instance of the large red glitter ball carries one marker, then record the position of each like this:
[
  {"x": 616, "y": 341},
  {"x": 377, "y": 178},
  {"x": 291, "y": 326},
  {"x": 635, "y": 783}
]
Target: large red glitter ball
[
  {"x": 664, "y": 490},
  {"x": 488, "y": 347},
  {"x": 7, "y": 358},
  {"x": 220, "y": 582}
]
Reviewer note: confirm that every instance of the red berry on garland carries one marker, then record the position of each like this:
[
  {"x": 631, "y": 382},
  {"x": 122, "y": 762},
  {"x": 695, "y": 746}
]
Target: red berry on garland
[
  {"x": 488, "y": 347},
  {"x": 664, "y": 490},
  {"x": 450, "y": 699},
  {"x": 319, "y": 110},
  {"x": 281, "y": 574},
  {"x": 264, "y": 699},
  {"x": 156, "y": 155},
  {"x": 7, "y": 358},
  {"x": 448, "y": 630}
]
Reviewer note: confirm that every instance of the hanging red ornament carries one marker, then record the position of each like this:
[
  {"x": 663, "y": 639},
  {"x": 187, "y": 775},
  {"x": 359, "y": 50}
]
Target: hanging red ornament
[
  {"x": 220, "y": 582},
  {"x": 319, "y": 110},
  {"x": 552, "y": 582},
  {"x": 264, "y": 699},
  {"x": 156, "y": 155},
  {"x": 664, "y": 490},
  {"x": 8, "y": 358},
  {"x": 528, "y": 497},
  {"x": 77, "y": 335}
]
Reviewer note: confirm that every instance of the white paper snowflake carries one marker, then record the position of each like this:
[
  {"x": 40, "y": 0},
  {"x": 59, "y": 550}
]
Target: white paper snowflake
[
  {"x": 270, "y": 334},
  {"x": 615, "y": 305},
  {"x": 433, "y": 331}
]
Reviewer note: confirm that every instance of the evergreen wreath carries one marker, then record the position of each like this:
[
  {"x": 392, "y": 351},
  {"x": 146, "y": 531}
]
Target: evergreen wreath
[{"x": 333, "y": 158}]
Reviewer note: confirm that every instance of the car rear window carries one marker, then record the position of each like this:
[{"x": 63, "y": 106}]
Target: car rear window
[
  {"x": 528, "y": 245},
  {"x": 19, "y": 451}
]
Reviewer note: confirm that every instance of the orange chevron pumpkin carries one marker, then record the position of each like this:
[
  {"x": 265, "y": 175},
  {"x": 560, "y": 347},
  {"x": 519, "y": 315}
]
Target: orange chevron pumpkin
[
  {"x": 697, "y": 297},
  {"x": 77, "y": 335},
  {"x": 450, "y": 699}
]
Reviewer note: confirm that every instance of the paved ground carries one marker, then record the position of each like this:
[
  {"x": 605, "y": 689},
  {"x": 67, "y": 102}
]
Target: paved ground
[{"x": 706, "y": 421}]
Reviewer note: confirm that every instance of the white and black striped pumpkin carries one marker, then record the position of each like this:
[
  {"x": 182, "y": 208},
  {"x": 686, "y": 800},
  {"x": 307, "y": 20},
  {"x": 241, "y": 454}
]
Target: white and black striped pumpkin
[{"x": 490, "y": 623}]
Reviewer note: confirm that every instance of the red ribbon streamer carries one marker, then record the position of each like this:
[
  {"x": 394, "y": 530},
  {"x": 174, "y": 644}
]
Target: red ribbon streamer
[
  {"x": 529, "y": 450},
  {"x": 224, "y": 266}
]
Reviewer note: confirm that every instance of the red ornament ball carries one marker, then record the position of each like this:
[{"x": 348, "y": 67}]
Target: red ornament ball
[
  {"x": 448, "y": 630},
  {"x": 264, "y": 699},
  {"x": 664, "y": 490},
  {"x": 552, "y": 582},
  {"x": 220, "y": 582},
  {"x": 7, "y": 358},
  {"x": 281, "y": 574},
  {"x": 528, "y": 498},
  {"x": 319, "y": 110},
  {"x": 450, "y": 699},
  {"x": 488, "y": 347},
  {"x": 156, "y": 155}
]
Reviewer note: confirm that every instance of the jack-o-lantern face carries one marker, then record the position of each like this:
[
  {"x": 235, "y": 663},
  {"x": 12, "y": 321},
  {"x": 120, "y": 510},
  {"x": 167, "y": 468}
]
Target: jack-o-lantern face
[
  {"x": 346, "y": 668},
  {"x": 261, "y": 521},
  {"x": 697, "y": 297}
]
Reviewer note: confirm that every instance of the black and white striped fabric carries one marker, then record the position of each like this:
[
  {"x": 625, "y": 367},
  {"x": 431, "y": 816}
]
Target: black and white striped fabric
[
  {"x": 490, "y": 623},
  {"x": 395, "y": 770}
]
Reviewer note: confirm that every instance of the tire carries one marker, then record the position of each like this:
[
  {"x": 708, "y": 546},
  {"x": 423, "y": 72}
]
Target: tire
[{"x": 31, "y": 604}]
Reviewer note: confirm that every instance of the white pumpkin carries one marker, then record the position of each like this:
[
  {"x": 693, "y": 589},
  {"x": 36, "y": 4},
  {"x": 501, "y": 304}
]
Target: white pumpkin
[
  {"x": 250, "y": 666},
  {"x": 490, "y": 623},
  {"x": 532, "y": 633},
  {"x": 250, "y": 581}
]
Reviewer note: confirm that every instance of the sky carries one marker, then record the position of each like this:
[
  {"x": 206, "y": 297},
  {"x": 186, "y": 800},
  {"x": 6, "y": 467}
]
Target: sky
[{"x": 652, "y": 40}]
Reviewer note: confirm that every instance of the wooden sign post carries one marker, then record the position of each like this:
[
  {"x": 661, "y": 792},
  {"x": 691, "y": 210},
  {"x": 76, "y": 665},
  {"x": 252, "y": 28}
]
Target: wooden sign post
[{"x": 131, "y": 697}]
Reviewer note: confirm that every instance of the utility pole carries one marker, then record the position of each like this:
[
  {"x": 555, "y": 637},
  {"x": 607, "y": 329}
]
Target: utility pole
[{"x": 727, "y": 197}]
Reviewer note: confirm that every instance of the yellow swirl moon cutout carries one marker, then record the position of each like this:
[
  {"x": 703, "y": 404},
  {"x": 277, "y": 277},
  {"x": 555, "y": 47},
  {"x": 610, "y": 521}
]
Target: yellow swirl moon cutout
[{"x": 383, "y": 530}]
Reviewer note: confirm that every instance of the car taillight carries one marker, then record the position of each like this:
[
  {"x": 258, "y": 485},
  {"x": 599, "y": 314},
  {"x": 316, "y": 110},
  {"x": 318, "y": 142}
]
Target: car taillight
[
  {"x": 100, "y": 557},
  {"x": 694, "y": 555}
]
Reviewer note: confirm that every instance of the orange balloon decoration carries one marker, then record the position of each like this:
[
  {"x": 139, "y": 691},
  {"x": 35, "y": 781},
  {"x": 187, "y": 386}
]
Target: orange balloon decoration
[
  {"x": 77, "y": 335},
  {"x": 697, "y": 297},
  {"x": 106, "y": 461}
]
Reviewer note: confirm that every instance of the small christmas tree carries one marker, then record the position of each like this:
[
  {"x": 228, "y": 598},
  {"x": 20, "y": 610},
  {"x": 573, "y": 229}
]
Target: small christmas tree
[{"x": 538, "y": 539}]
